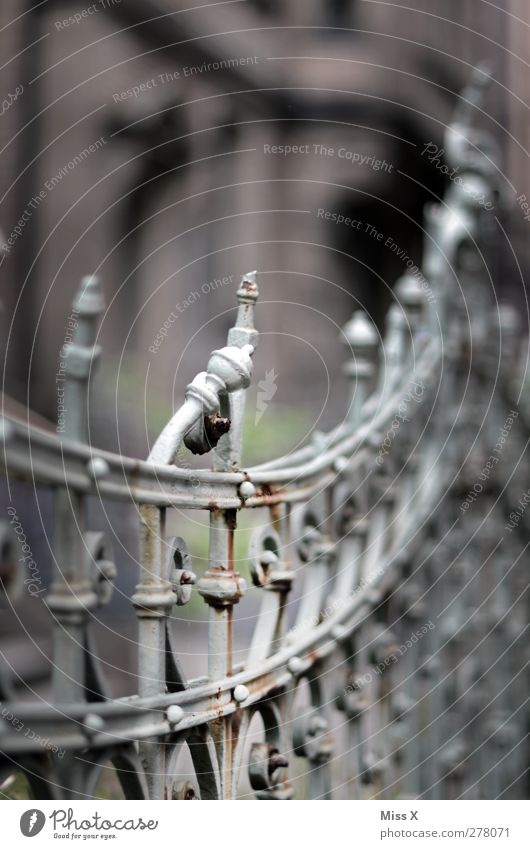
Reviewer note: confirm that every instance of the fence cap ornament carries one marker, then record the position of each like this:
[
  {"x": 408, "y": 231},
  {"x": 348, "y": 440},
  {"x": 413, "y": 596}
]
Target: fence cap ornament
[
  {"x": 244, "y": 331},
  {"x": 359, "y": 332},
  {"x": 409, "y": 292},
  {"x": 89, "y": 300}
]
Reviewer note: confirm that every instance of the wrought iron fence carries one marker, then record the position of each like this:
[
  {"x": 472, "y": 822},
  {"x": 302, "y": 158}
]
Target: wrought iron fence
[{"x": 408, "y": 640}]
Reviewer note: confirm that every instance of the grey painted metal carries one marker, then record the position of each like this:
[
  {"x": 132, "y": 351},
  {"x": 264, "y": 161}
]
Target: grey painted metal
[{"x": 369, "y": 514}]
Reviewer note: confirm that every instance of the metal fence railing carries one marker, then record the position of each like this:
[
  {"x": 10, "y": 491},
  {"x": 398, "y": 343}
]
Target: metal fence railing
[{"x": 401, "y": 673}]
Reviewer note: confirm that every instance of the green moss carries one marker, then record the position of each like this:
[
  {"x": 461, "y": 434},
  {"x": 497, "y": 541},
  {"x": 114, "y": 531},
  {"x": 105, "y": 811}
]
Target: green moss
[{"x": 280, "y": 430}]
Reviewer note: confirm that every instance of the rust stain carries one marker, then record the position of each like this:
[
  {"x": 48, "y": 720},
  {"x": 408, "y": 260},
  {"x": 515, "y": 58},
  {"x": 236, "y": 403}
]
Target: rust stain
[
  {"x": 231, "y": 524},
  {"x": 265, "y": 684},
  {"x": 229, "y": 639},
  {"x": 276, "y": 515},
  {"x": 216, "y": 726},
  {"x": 271, "y": 691},
  {"x": 236, "y": 718},
  {"x": 230, "y": 551},
  {"x": 229, "y": 751},
  {"x": 313, "y": 656},
  {"x": 269, "y": 496},
  {"x": 249, "y": 288},
  {"x": 215, "y": 427}
]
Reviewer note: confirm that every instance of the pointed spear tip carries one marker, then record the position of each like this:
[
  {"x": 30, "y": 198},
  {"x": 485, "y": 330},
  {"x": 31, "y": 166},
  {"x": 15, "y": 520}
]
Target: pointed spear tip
[
  {"x": 359, "y": 331},
  {"x": 248, "y": 291}
]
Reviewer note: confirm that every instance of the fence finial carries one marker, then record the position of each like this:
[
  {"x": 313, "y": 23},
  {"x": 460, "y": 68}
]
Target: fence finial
[
  {"x": 411, "y": 297},
  {"x": 244, "y": 332},
  {"x": 80, "y": 355},
  {"x": 360, "y": 336}
]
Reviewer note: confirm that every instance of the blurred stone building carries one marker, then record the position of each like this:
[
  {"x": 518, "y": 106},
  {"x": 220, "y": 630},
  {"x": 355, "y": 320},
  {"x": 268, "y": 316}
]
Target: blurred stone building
[{"x": 170, "y": 146}]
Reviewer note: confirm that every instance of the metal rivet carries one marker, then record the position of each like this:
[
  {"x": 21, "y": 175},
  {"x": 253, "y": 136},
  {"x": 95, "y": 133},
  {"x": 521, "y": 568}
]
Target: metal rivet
[
  {"x": 241, "y": 693},
  {"x": 174, "y": 714},
  {"x": 97, "y": 468},
  {"x": 93, "y": 723},
  {"x": 295, "y": 665},
  {"x": 247, "y": 489}
]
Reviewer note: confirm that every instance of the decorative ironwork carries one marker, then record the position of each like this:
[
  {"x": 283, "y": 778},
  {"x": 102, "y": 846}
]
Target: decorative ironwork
[{"x": 372, "y": 516}]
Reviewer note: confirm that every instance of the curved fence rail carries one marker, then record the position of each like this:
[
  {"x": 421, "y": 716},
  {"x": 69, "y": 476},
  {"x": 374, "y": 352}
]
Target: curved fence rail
[{"x": 376, "y": 519}]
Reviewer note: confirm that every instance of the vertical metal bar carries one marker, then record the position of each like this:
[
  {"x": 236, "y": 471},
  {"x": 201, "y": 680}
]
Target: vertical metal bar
[
  {"x": 72, "y": 596},
  {"x": 153, "y": 600},
  {"x": 221, "y": 586}
]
